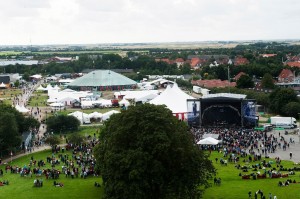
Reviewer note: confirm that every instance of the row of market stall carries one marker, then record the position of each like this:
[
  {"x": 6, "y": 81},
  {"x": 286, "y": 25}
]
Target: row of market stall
[{"x": 85, "y": 118}]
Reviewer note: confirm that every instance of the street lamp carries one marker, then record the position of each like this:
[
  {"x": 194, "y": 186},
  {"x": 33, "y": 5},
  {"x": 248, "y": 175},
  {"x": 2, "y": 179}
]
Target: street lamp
[{"x": 46, "y": 115}]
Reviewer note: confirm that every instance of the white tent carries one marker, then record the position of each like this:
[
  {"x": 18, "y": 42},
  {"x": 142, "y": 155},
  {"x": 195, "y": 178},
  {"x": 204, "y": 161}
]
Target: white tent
[
  {"x": 2, "y": 85},
  {"x": 87, "y": 104},
  {"x": 51, "y": 100},
  {"x": 68, "y": 90},
  {"x": 208, "y": 141},
  {"x": 21, "y": 109},
  {"x": 67, "y": 100},
  {"x": 57, "y": 106},
  {"x": 49, "y": 87},
  {"x": 36, "y": 76},
  {"x": 174, "y": 98},
  {"x": 105, "y": 103},
  {"x": 124, "y": 102},
  {"x": 107, "y": 115},
  {"x": 143, "y": 96},
  {"x": 56, "y": 87},
  {"x": 82, "y": 117},
  {"x": 95, "y": 115},
  {"x": 40, "y": 88}
]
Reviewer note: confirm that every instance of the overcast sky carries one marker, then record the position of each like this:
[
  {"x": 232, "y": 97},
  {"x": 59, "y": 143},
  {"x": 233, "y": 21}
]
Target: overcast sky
[{"x": 133, "y": 21}]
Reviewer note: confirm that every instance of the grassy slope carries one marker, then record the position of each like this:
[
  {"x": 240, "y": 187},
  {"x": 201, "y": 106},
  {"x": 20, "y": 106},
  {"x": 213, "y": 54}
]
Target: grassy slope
[
  {"x": 233, "y": 186},
  {"x": 22, "y": 187}
]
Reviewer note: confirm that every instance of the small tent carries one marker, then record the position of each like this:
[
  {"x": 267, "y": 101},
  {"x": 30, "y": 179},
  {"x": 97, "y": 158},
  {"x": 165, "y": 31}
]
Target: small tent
[
  {"x": 40, "y": 88},
  {"x": 107, "y": 115},
  {"x": 124, "y": 102},
  {"x": 82, "y": 117},
  {"x": 95, "y": 115},
  {"x": 208, "y": 141},
  {"x": 2, "y": 85}
]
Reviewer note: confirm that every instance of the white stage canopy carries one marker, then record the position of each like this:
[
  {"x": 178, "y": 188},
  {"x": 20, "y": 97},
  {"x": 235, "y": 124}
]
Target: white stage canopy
[
  {"x": 175, "y": 99},
  {"x": 208, "y": 141}
]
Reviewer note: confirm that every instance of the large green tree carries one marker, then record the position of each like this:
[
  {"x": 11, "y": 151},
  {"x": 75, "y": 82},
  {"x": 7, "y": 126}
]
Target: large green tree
[
  {"x": 245, "y": 81},
  {"x": 281, "y": 97},
  {"x": 145, "y": 152},
  {"x": 62, "y": 123},
  {"x": 292, "y": 109},
  {"x": 10, "y": 137},
  {"x": 267, "y": 81}
]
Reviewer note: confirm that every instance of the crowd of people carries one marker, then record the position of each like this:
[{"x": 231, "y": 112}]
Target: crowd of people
[{"x": 243, "y": 141}]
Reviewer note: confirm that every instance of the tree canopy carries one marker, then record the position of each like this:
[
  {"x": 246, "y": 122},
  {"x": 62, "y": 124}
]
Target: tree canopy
[
  {"x": 12, "y": 125},
  {"x": 145, "y": 152},
  {"x": 267, "y": 81},
  {"x": 245, "y": 81},
  {"x": 62, "y": 123},
  {"x": 281, "y": 97}
]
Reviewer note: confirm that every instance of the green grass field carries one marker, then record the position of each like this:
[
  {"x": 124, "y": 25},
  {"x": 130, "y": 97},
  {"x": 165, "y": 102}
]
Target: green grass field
[
  {"x": 22, "y": 187},
  {"x": 7, "y": 95},
  {"x": 233, "y": 186},
  {"x": 38, "y": 98}
]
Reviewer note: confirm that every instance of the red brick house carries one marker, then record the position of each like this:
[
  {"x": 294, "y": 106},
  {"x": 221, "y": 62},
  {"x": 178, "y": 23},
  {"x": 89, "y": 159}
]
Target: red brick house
[
  {"x": 286, "y": 75},
  {"x": 214, "y": 83},
  {"x": 240, "y": 61},
  {"x": 238, "y": 76}
]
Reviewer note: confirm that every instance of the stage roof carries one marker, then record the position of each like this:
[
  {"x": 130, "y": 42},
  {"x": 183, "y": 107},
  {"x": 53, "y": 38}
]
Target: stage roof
[{"x": 224, "y": 95}]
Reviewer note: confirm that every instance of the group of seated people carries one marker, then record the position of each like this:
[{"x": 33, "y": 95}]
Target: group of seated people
[
  {"x": 38, "y": 183},
  {"x": 58, "y": 184},
  {"x": 286, "y": 183},
  {"x": 5, "y": 182}
]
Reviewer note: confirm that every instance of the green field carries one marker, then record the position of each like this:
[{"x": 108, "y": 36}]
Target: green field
[
  {"x": 38, "y": 99},
  {"x": 233, "y": 186},
  {"x": 6, "y": 95},
  {"x": 22, "y": 187}
]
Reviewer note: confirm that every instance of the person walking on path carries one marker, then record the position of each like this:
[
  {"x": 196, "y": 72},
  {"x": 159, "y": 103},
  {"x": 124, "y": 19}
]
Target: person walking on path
[{"x": 291, "y": 155}]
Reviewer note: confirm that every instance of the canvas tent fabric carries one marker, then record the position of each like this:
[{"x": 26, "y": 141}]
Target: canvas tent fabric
[
  {"x": 82, "y": 117},
  {"x": 124, "y": 102},
  {"x": 21, "y": 109},
  {"x": 208, "y": 141},
  {"x": 107, "y": 115},
  {"x": 104, "y": 80},
  {"x": 2, "y": 85},
  {"x": 211, "y": 135},
  {"x": 41, "y": 88},
  {"x": 95, "y": 115},
  {"x": 174, "y": 98}
]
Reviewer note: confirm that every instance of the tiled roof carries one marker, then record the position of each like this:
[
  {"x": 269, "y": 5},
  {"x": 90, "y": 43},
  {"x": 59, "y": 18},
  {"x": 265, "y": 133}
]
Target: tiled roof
[
  {"x": 294, "y": 64},
  {"x": 239, "y": 75},
  {"x": 215, "y": 83},
  {"x": 179, "y": 60},
  {"x": 285, "y": 73},
  {"x": 240, "y": 61}
]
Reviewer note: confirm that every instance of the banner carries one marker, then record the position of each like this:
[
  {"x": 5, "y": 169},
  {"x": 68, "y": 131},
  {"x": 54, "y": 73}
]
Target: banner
[
  {"x": 193, "y": 115},
  {"x": 248, "y": 113}
]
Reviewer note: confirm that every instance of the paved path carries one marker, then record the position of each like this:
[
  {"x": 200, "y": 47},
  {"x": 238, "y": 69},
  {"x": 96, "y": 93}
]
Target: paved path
[
  {"x": 294, "y": 147},
  {"x": 36, "y": 149}
]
